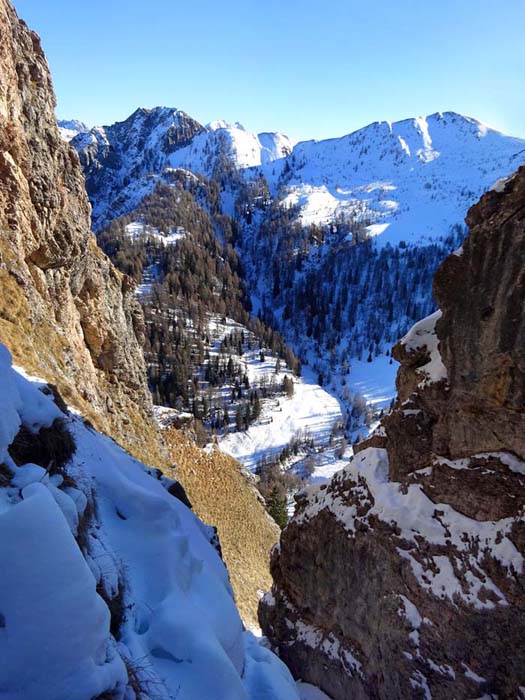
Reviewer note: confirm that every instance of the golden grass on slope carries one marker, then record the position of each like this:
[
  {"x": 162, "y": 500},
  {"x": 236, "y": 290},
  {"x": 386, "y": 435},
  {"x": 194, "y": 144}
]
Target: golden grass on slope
[{"x": 222, "y": 496}]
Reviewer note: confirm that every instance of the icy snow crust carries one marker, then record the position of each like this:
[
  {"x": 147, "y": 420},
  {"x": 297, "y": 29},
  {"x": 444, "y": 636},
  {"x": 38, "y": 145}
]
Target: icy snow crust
[
  {"x": 181, "y": 635},
  {"x": 414, "y": 515}
]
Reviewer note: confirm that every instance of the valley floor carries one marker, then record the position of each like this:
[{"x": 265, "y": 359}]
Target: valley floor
[{"x": 311, "y": 412}]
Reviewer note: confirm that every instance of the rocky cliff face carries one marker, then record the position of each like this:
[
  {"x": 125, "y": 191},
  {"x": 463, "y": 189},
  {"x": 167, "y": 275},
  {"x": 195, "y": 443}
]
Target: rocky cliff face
[
  {"x": 65, "y": 313},
  {"x": 403, "y": 577}
]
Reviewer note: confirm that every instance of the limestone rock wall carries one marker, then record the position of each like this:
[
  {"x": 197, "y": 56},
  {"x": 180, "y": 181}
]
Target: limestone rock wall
[{"x": 66, "y": 314}]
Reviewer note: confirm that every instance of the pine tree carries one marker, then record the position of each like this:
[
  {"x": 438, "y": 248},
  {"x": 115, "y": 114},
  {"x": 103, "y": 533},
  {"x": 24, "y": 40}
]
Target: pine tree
[
  {"x": 239, "y": 418},
  {"x": 276, "y": 507}
]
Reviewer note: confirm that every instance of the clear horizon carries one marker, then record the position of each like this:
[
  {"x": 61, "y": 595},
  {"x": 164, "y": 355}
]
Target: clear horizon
[{"x": 308, "y": 73}]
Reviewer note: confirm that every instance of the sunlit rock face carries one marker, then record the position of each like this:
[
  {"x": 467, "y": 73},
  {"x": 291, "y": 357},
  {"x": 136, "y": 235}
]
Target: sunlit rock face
[{"x": 66, "y": 314}]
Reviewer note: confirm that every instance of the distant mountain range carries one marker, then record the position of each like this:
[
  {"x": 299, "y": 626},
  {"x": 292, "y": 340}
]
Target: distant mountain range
[
  {"x": 338, "y": 239},
  {"x": 412, "y": 179}
]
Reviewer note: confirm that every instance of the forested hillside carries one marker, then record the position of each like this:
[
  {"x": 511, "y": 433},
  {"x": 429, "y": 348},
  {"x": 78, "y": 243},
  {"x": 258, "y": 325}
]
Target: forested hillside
[
  {"x": 333, "y": 243},
  {"x": 196, "y": 284},
  {"x": 253, "y": 255}
]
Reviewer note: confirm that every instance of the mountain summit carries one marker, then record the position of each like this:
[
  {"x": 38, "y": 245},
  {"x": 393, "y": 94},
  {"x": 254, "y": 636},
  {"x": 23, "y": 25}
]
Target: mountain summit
[
  {"x": 123, "y": 162},
  {"x": 410, "y": 178}
]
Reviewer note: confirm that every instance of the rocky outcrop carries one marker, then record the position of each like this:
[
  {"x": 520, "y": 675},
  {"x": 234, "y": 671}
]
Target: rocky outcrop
[
  {"x": 403, "y": 577},
  {"x": 66, "y": 314}
]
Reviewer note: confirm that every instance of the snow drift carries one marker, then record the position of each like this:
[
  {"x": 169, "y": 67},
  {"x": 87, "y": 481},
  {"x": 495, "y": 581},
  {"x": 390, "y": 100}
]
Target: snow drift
[{"x": 109, "y": 586}]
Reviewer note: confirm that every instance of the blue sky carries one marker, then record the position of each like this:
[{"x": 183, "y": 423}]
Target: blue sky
[{"x": 312, "y": 69}]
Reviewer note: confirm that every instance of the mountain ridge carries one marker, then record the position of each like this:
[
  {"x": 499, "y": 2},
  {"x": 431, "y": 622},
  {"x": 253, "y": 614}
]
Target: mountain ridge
[
  {"x": 411, "y": 137},
  {"x": 398, "y": 189}
]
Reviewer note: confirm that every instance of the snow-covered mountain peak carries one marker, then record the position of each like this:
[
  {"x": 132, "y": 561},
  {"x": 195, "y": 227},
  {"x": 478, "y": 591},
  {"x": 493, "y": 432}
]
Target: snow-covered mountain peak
[
  {"x": 390, "y": 175},
  {"x": 161, "y": 114},
  {"x": 69, "y": 128},
  {"x": 411, "y": 179},
  {"x": 123, "y": 161},
  {"x": 223, "y": 124},
  {"x": 248, "y": 149}
]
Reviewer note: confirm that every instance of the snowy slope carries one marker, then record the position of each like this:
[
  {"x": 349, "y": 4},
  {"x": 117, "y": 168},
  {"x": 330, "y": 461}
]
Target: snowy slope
[
  {"x": 248, "y": 149},
  {"x": 69, "y": 128},
  {"x": 99, "y": 533},
  {"x": 310, "y": 412},
  {"x": 411, "y": 179}
]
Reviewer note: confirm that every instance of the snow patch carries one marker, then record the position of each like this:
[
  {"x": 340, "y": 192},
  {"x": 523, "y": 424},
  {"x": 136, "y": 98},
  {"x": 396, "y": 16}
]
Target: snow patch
[{"x": 423, "y": 335}]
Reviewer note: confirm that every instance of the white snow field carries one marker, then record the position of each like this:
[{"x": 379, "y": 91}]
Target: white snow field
[
  {"x": 311, "y": 411},
  {"x": 136, "y": 229},
  {"x": 413, "y": 179},
  {"x": 180, "y": 636},
  {"x": 246, "y": 148},
  {"x": 375, "y": 380}
]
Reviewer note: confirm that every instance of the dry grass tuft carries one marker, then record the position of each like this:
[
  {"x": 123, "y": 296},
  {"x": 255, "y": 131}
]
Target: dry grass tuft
[
  {"x": 51, "y": 447},
  {"x": 5, "y": 475},
  {"x": 222, "y": 496}
]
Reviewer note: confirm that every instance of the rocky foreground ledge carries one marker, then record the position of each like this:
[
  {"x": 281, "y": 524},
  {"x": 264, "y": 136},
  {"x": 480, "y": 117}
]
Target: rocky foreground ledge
[{"x": 404, "y": 577}]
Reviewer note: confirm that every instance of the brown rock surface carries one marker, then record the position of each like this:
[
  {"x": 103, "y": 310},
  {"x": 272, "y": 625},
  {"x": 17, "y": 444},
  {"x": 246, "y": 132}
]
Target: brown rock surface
[
  {"x": 403, "y": 577},
  {"x": 66, "y": 314}
]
